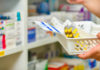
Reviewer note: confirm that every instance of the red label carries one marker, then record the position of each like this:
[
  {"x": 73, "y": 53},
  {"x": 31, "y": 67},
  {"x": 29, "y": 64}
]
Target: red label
[{"x": 4, "y": 42}]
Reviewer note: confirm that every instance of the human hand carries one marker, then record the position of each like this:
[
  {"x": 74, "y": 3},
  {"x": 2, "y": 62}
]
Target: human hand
[
  {"x": 75, "y": 1},
  {"x": 91, "y": 5},
  {"x": 93, "y": 53}
]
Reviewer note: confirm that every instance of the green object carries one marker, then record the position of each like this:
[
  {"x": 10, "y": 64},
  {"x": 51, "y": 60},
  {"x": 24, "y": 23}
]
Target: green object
[
  {"x": 46, "y": 66},
  {"x": 2, "y": 28}
]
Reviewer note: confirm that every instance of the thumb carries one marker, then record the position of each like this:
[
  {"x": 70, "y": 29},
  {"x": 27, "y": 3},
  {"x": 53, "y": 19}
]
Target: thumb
[{"x": 98, "y": 35}]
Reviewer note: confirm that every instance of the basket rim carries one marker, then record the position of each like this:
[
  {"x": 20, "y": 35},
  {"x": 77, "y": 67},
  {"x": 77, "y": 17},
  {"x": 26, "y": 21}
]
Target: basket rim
[{"x": 81, "y": 38}]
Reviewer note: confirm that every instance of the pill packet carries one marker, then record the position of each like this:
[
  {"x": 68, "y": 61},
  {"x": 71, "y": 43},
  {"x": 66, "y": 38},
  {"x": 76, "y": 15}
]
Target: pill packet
[
  {"x": 68, "y": 29},
  {"x": 74, "y": 29},
  {"x": 85, "y": 26}
]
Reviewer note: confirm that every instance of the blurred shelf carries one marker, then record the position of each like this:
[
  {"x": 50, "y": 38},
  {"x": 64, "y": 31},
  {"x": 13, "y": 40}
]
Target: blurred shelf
[
  {"x": 42, "y": 42},
  {"x": 12, "y": 51}
]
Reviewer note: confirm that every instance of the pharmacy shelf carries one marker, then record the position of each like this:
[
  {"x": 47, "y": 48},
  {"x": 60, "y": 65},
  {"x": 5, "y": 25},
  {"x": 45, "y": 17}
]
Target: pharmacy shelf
[
  {"x": 12, "y": 51},
  {"x": 42, "y": 42}
]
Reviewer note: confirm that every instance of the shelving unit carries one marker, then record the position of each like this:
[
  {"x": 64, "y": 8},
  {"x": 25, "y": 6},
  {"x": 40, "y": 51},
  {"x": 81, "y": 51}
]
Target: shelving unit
[
  {"x": 42, "y": 42},
  {"x": 13, "y": 51},
  {"x": 17, "y": 58}
]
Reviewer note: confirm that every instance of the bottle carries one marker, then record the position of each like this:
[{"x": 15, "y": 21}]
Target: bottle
[
  {"x": 81, "y": 15},
  {"x": 92, "y": 64},
  {"x": 54, "y": 4},
  {"x": 18, "y": 30}
]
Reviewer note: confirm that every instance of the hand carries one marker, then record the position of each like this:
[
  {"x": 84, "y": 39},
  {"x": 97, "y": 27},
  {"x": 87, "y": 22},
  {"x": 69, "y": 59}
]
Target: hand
[
  {"x": 93, "y": 53},
  {"x": 91, "y": 5},
  {"x": 75, "y": 1}
]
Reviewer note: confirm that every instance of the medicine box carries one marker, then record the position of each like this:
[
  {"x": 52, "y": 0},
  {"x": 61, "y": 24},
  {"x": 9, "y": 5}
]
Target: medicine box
[{"x": 31, "y": 34}]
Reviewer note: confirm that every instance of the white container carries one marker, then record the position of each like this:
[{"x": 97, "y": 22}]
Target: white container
[{"x": 75, "y": 46}]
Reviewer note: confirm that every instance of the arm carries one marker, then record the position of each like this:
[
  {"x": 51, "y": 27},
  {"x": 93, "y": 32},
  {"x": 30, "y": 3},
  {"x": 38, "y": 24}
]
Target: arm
[{"x": 91, "y": 5}]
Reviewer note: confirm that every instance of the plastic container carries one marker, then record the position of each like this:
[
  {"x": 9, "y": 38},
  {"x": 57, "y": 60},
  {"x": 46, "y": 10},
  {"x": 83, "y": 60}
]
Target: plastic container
[{"x": 75, "y": 46}]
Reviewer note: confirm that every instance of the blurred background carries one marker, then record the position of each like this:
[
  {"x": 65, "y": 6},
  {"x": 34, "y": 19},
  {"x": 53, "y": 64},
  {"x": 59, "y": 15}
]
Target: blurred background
[{"x": 25, "y": 46}]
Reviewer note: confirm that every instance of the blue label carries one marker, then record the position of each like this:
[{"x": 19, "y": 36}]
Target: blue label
[
  {"x": 92, "y": 63},
  {"x": 55, "y": 29},
  {"x": 46, "y": 26},
  {"x": 31, "y": 35}
]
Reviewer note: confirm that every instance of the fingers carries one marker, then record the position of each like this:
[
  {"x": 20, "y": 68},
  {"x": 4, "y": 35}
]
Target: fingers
[
  {"x": 71, "y": 1},
  {"x": 93, "y": 53},
  {"x": 75, "y": 1},
  {"x": 90, "y": 54},
  {"x": 98, "y": 35}
]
